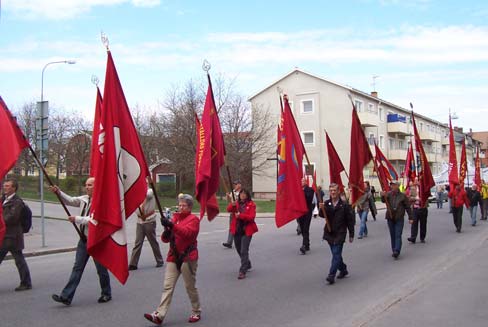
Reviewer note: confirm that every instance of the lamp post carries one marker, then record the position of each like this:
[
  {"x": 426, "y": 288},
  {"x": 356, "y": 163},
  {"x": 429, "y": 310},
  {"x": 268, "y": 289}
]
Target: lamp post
[
  {"x": 438, "y": 123},
  {"x": 43, "y": 114}
]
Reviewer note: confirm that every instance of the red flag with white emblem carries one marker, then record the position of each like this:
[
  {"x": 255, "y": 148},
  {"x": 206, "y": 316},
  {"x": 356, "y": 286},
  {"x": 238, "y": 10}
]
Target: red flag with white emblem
[{"x": 120, "y": 180}]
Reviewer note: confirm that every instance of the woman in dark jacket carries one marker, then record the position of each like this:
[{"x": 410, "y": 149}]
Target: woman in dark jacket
[{"x": 243, "y": 227}]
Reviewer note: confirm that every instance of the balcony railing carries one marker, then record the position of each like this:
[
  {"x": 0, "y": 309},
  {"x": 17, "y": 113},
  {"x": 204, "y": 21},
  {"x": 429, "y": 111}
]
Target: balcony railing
[{"x": 368, "y": 119}]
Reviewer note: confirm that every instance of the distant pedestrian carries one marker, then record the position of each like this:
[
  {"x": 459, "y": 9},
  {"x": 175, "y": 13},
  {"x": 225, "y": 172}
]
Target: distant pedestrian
[
  {"x": 305, "y": 220},
  {"x": 363, "y": 209},
  {"x": 181, "y": 232},
  {"x": 484, "y": 200},
  {"x": 146, "y": 227},
  {"x": 448, "y": 189},
  {"x": 237, "y": 189},
  {"x": 341, "y": 220},
  {"x": 439, "y": 196},
  {"x": 373, "y": 192},
  {"x": 458, "y": 198},
  {"x": 474, "y": 199},
  {"x": 397, "y": 204},
  {"x": 82, "y": 256},
  {"x": 243, "y": 227},
  {"x": 13, "y": 241}
]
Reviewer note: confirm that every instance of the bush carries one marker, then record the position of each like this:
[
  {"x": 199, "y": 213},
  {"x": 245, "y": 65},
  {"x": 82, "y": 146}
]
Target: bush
[
  {"x": 166, "y": 189},
  {"x": 69, "y": 184}
]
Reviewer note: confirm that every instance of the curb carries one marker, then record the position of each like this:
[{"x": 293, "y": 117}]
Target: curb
[{"x": 37, "y": 253}]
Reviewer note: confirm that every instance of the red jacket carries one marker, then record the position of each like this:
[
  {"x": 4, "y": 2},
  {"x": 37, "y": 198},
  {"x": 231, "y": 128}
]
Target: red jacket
[
  {"x": 185, "y": 228},
  {"x": 247, "y": 215},
  {"x": 458, "y": 198}
]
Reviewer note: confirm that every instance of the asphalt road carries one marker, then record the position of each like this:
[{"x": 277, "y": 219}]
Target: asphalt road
[{"x": 440, "y": 283}]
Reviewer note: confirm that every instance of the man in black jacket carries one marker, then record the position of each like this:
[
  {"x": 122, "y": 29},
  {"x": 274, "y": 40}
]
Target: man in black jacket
[
  {"x": 14, "y": 236},
  {"x": 304, "y": 221},
  {"x": 340, "y": 217}
]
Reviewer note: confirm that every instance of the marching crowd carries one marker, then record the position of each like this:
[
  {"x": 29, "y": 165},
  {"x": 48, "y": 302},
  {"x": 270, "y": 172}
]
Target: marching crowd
[{"x": 181, "y": 232}]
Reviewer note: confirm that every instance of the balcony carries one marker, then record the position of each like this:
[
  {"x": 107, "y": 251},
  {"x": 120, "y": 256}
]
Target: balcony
[
  {"x": 398, "y": 128},
  {"x": 397, "y": 154},
  {"x": 445, "y": 140},
  {"x": 368, "y": 119},
  {"x": 431, "y": 157},
  {"x": 428, "y": 136}
]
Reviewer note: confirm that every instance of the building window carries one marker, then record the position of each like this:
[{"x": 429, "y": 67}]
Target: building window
[
  {"x": 381, "y": 142},
  {"x": 382, "y": 114},
  {"x": 392, "y": 144},
  {"x": 306, "y": 106},
  {"x": 371, "y": 139},
  {"x": 401, "y": 144},
  {"x": 308, "y": 138},
  {"x": 309, "y": 169},
  {"x": 372, "y": 109},
  {"x": 359, "y": 105}
]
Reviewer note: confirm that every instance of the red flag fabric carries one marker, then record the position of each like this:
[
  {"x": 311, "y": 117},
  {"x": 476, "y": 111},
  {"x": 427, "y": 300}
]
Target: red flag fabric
[
  {"x": 452, "y": 170},
  {"x": 335, "y": 164},
  {"x": 120, "y": 180},
  {"x": 12, "y": 143},
  {"x": 463, "y": 165},
  {"x": 290, "y": 202},
  {"x": 385, "y": 170},
  {"x": 95, "y": 154},
  {"x": 359, "y": 158},
  {"x": 477, "y": 169},
  {"x": 410, "y": 169},
  {"x": 13, "y": 140},
  {"x": 3, "y": 228},
  {"x": 210, "y": 154},
  {"x": 424, "y": 175}
]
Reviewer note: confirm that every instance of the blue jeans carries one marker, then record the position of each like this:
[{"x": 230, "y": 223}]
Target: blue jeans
[
  {"x": 363, "y": 228},
  {"x": 472, "y": 212},
  {"x": 80, "y": 262},
  {"x": 396, "y": 229},
  {"x": 337, "y": 263}
]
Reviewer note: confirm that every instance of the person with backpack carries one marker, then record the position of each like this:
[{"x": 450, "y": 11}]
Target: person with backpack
[{"x": 13, "y": 242}]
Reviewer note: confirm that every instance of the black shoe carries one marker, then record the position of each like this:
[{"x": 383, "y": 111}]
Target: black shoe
[
  {"x": 458, "y": 230},
  {"x": 330, "y": 279},
  {"x": 104, "y": 298},
  {"x": 159, "y": 264},
  {"x": 227, "y": 245},
  {"x": 22, "y": 287},
  {"x": 411, "y": 240},
  {"x": 395, "y": 255},
  {"x": 422, "y": 241},
  {"x": 131, "y": 267},
  {"x": 61, "y": 299},
  {"x": 343, "y": 274},
  {"x": 303, "y": 250}
]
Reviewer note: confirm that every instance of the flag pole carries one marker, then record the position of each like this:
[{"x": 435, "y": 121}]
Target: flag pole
[
  {"x": 376, "y": 170},
  {"x": 82, "y": 236}
]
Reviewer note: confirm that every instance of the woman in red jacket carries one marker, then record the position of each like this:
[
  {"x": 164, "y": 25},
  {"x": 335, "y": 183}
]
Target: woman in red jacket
[
  {"x": 458, "y": 198},
  {"x": 181, "y": 233},
  {"x": 242, "y": 227}
]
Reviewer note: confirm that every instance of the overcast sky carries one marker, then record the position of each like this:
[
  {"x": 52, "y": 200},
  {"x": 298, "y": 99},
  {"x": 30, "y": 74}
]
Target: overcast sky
[{"x": 431, "y": 53}]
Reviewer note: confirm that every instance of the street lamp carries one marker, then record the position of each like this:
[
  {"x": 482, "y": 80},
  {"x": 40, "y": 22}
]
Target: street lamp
[
  {"x": 453, "y": 116},
  {"x": 43, "y": 114}
]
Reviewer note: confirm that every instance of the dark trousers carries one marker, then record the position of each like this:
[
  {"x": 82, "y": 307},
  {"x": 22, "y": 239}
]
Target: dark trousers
[
  {"x": 337, "y": 263},
  {"x": 80, "y": 262},
  {"x": 419, "y": 219},
  {"x": 396, "y": 229},
  {"x": 22, "y": 267},
  {"x": 242, "y": 243},
  {"x": 230, "y": 237},
  {"x": 304, "y": 222},
  {"x": 457, "y": 215}
]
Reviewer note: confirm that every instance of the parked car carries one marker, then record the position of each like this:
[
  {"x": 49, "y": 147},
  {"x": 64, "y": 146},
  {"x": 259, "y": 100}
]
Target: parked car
[{"x": 433, "y": 195}]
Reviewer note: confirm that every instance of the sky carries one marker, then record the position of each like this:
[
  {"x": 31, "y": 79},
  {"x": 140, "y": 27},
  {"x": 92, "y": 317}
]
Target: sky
[{"x": 431, "y": 53}]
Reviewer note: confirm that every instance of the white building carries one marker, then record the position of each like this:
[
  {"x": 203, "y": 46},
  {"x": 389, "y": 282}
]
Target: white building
[{"x": 319, "y": 104}]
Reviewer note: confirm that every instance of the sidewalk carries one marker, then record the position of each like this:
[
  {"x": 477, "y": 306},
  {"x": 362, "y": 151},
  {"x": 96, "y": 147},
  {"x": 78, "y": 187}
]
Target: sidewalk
[{"x": 60, "y": 235}]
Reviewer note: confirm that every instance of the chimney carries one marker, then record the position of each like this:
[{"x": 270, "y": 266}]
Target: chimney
[{"x": 374, "y": 94}]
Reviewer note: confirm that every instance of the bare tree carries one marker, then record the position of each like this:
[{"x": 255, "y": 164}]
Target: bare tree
[
  {"x": 60, "y": 131},
  {"x": 26, "y": 119},
  {"x": 78, "y": 149}
]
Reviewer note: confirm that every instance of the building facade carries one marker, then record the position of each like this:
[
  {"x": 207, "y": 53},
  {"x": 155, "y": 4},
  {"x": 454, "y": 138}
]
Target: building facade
[{"x": 320, "y": 105}]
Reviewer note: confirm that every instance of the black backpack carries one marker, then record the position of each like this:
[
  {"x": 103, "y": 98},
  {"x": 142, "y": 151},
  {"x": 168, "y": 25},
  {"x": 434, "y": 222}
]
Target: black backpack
[{"x": 26, "y": 218}]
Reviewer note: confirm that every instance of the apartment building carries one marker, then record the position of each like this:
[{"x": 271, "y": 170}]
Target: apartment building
[{"x": 320, "y": 105}]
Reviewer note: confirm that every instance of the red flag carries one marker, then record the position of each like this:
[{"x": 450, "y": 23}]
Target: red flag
[
  {"x": 410, "y": 169},
  {"x": 335, "y": 164},
  {"x": 120, "y": 185},
  {"x": 95, "y": 154},
  {"x": 477, "y": 169},
  {"x": 290, "y": 202},
  {"x": 12, "y": 138},
  {"x": 359, "y": 158},
  {"x": 385, "y": 170},
  {"x": 314, "y": 181},
  {"x": 12, "y": 143},
  {"x": 425, "y": 179},
  {"x": 210, "y": 158},
  {"x": 463, "y": 165},
  {"x": 452, "y": 170}
]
